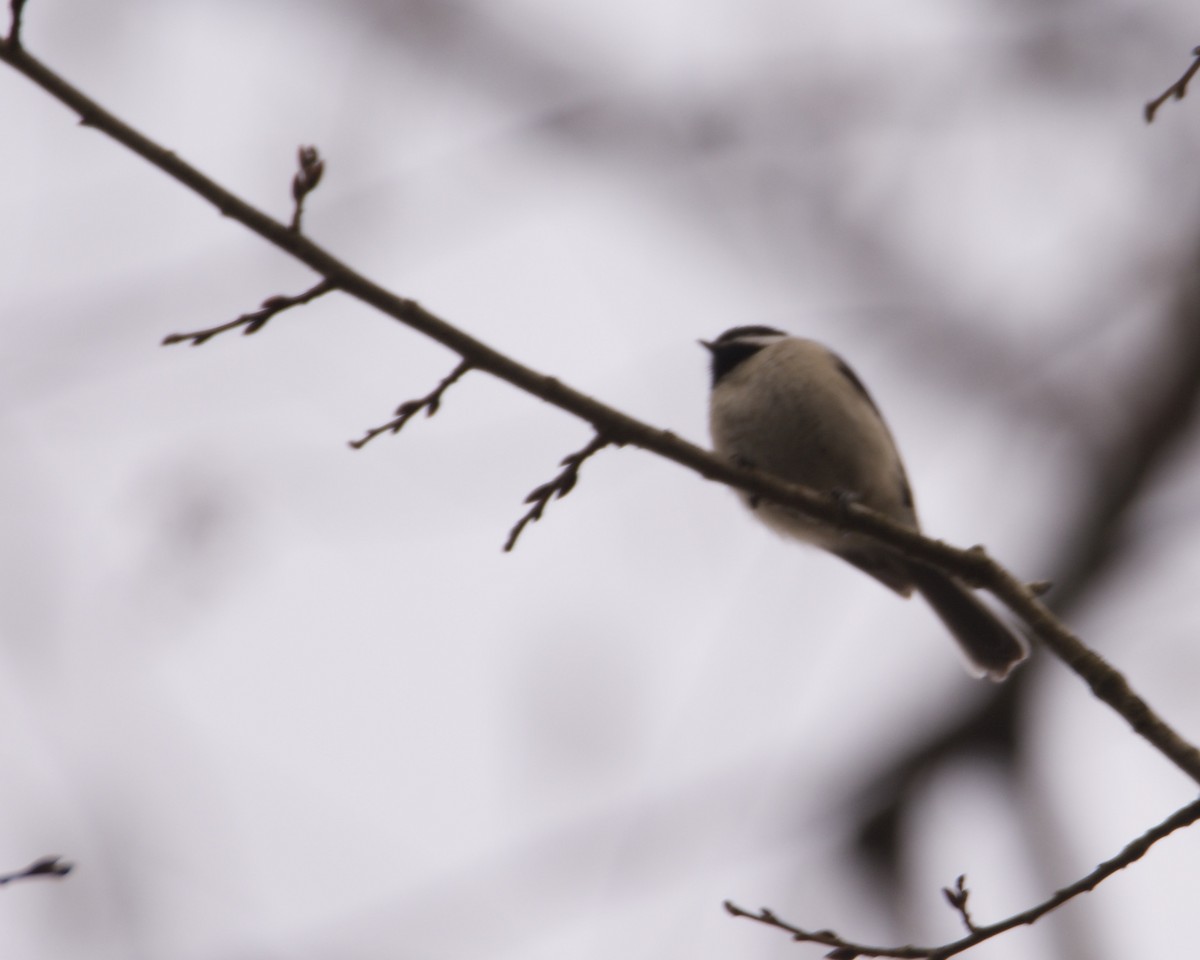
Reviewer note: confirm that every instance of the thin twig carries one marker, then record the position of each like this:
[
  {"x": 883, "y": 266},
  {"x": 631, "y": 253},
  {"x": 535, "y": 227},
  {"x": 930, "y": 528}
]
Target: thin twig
[
  {"x": 559, "y": 487},
  {"x": 848, "y": 950},
  {"x": 972, "y": 565},
  {"x": 253, "y": 322},
  {"x": 1177, "y": 90},
  {"x": 957, "y": 897},
  {"x": 17, "y": 7},
  {"x": 410, "y": 408},
  {"x": 43, "y": 867},
  {"x": 305, "y": 181},
  {"x": 842, "y": 949}
]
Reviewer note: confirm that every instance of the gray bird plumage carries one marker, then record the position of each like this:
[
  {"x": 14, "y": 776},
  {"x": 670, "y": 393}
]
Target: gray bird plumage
[{"x": 792, "y": 408}]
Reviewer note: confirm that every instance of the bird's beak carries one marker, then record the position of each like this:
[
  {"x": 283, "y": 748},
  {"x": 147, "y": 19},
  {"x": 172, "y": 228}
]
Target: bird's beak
[{"x": 707, "y": 346}]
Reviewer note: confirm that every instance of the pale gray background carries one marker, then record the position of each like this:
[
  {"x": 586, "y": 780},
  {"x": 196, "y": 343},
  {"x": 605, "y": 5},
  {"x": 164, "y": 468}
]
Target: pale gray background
[{"x": 281, "y": 699}]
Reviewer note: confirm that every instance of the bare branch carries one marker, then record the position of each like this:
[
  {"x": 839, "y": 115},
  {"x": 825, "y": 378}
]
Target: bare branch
[
  {"x": 43, "y": 867},
  {"x": 410, "y": 408},
  {"x": 253, "y": 322},
  {"x": 559, "y": 487},
  {"x": 305, "y": 181},
  {"x": 848, "y": 950},
  {"x": 974, "y": 566},
  {"x": 1176, "y": 91}
]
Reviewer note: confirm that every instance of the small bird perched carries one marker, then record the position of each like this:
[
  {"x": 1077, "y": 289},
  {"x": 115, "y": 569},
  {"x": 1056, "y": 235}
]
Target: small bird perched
[{"x": 792, "y": 408}]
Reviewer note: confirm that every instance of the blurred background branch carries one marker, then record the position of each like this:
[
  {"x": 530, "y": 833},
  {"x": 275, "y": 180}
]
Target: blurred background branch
[{"x": 54, "y": 867}]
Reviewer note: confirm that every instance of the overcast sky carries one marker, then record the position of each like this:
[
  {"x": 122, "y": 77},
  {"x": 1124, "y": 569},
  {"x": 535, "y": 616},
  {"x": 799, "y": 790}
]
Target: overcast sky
[{"x": 279, "y": 698}]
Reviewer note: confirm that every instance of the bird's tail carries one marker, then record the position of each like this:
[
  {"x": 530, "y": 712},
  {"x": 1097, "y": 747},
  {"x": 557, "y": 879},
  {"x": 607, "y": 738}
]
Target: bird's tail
[{"x": 989, "y": 644}]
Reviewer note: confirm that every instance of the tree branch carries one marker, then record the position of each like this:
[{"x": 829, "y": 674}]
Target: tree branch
[
  {"x": 1176, "y": 91},
  {"x": 973, "y": 566},
  {"x": 849, "y": 950},
  {"x": 615, "y": 427},
  {"x": 559, "y": 487}
]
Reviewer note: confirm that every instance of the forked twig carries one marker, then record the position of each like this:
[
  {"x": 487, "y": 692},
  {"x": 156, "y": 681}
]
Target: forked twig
[
  {"x": 410, "y": 408},
  {"x": 253, "y": 322},
  {"x": 559, "y": 487},
  {"x": 957, "y": 897},
  {"x": 848, "y": 950}
]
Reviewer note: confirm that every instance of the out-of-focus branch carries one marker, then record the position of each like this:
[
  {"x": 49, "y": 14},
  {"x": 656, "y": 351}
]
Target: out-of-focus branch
[
  {"x": 973, "y": 566},
  {"x": 848, "y": 950},
  {"x": 54, "y": 867},
  {"x": 1175, "y": 91}
]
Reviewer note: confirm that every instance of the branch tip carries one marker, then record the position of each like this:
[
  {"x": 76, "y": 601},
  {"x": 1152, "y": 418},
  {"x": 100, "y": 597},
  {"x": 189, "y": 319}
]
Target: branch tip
[
  {"x": 305, "y": 181},
  {"x": 557, "y": 488},
  {"x": 430, "y": 403},
  {"x": 1175, "y": 91},
  {"x": 957, "y": 897}
]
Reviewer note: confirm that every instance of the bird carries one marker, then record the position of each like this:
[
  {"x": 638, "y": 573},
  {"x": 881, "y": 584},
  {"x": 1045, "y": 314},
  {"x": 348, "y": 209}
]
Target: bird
[{"x": 792, "y": 408}]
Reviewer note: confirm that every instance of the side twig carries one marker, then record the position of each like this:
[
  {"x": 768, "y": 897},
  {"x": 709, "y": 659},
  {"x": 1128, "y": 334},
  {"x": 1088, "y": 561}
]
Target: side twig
[
  {"x": 43, "y": 867},
  {"x": 848, "y": 950},
  {"x": 410, "y": 408},
  {"x": 253, "y": 322},
  {"x": 559, "y": 487},
  {"x": 305, "y": 181},
  {"x": 957, "y": 897},
  {"x": 1176, "y": 91}
]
